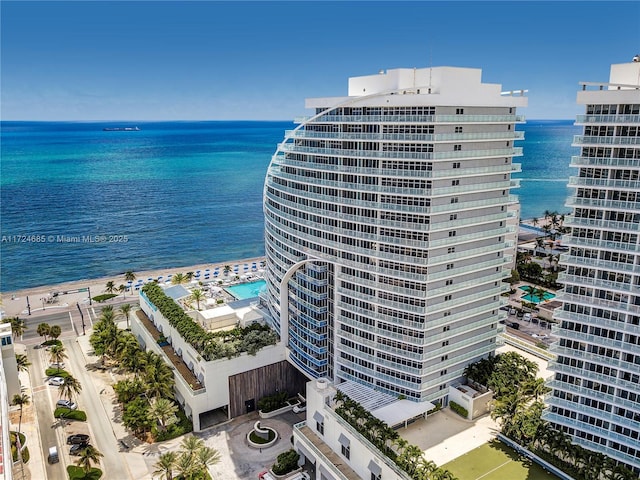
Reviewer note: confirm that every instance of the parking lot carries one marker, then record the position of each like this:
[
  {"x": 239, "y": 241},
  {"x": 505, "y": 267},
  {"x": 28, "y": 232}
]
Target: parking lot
[{"x": 529, "y": 326}]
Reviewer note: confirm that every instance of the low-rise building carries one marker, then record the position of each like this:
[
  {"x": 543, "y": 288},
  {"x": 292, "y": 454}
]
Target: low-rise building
[{"x": 214, "y": 390}]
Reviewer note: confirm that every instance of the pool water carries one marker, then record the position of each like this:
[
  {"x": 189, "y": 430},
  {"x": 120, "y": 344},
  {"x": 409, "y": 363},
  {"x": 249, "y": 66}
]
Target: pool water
[
  {"x": 242, "y": 291},
  {"x": 534, "y": 298}
]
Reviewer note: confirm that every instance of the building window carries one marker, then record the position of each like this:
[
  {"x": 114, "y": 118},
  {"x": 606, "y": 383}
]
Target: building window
[
  {"x": 453, "y": 216},
  {"x": 449, "y": 266},
  {"x": 444, "y": 357},
  {"x": 449, "y": 282},
  {"x": 458, "y": 130},
  {"x": 346, "y": 451},
  {"x": 457, "y": 148},
  {"x": 456, "y": 164},
  {"x": 443, "y": 372},
  {"x": 451, "y": 250},
  {"x": 455, "y": 182},
  {"x": 320, "y": 427},
  {"x": 454, "y": 200},
  {"x": 452, "y": 233},
  {"x": 459, "y": 111},
  {"x": 447, "y": 298},
  {"x": 375, "y": 476}
]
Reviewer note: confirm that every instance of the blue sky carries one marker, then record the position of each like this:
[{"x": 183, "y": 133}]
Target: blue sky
[{"x": 207, "y": 60}]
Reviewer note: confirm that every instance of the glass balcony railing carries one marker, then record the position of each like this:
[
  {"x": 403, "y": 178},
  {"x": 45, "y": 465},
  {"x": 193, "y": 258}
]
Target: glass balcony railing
[
  {"x": 571, "y": 221},
  {"x": 619, "y": 119},
  {"x": 407, "y": 137},
  {"x": 604, "y": 183},
  {"x": 577, "y": 161},
  {"x": 413, "y": 118},
  {"x": 580, "y": 140}
]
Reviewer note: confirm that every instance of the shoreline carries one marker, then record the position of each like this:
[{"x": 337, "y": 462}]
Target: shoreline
[{"x": 15, "y": 302}]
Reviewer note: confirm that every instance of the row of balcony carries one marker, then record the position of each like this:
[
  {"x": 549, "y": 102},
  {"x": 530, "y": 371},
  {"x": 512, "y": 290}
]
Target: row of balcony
[
  {"x": 615, "y": 118},
  {"x": 280, "y": 159},
  {"x": 593, "y": 339},
  {"x": 407, "y": 137},
  {"x": 620, "y": 306},
  {"x": 606, "y": 183},
  {"x": 584, "y": 140},
  {"x": 412, "y": 119},
  {"x": 619, "y": 326},
  {"x": 575, "y": 201},
  {"x": 593, "y": 357},
  {"x": 571, "y": 221},
  {"x": 594, "y": 412},
  {"x": 601, "y": 244},
  {"x": 579, "y": 161},
  {"x": 586, "y": 427},
  {"x": 458, "y": 154},
  {"x": 588, "y": 392},
  {"x": 564, "y": 277}
]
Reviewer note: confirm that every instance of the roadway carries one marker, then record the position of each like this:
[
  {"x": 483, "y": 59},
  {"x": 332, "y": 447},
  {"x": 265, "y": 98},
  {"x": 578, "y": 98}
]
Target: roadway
[{"x": 52, "y": 431}]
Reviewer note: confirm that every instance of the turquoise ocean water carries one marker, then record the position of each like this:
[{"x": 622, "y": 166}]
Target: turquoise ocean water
[{"x": 77, "y": 202}]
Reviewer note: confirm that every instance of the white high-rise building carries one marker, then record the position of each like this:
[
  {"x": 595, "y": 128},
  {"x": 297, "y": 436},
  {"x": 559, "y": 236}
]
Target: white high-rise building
[
  {"x": 386, "y": 225},
  {"x": 596, "y": 387}
]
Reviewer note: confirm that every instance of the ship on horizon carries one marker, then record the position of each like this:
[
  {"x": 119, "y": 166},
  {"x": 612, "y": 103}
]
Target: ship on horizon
[{"x": 121, "y": 129}]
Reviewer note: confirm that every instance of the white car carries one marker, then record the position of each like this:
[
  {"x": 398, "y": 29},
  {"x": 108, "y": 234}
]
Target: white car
[
  {"x": 526, "y": 317},
  {"x": 57, "y": 365},
  {"x": 66, "y": 404},
  {"x": 301, "y": 407},
  {"x": 56, "y": 381}
]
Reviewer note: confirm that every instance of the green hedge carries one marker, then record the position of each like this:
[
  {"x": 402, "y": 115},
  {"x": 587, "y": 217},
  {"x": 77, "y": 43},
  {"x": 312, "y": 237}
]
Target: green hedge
[
  {"x": 70, "y": 414},
  {"x": 76, "y": 473},
  {"x": 104, "y": 297},
  {"x": 286, "y": 462},
  {"x": 54, "y": 372},
  {"x": 459, "y": 409},
  {"x": 211, "y": 345}
]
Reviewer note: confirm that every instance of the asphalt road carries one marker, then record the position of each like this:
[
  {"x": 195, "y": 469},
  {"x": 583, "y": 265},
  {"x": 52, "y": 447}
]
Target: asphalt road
[
  {"x": 42, "y": 400},
  {"x": 102, "y": 434}
]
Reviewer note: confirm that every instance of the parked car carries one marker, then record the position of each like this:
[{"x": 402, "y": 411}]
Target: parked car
[
  {"x": 56, "y": 365},
  {"x": 514, "y": 325},
  {"x": 512, "y": 311},
  {"x": 66, "y": 404},
  {"x": 526, "y": 317},
  {"x": 56, "y": 381},
  {"x": 301, "y": 407},
  {"x": 266, "y": 475},
  {"x": 77, "y": 448},
  {"x": 519, "y": 313},
  {"x": 535, "y": 335},
  {"x": 77, "y": 439}
]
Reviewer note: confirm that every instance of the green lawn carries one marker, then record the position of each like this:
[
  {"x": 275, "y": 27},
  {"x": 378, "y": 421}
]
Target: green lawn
[{"x": 496, "y": 461}]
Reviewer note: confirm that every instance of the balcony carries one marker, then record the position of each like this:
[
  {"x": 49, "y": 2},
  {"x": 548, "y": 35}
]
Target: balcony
[{"x": 180, "y": 366}]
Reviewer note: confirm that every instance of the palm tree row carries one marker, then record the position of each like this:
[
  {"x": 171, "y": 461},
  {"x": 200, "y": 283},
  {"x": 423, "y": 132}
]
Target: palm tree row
[
  {"x": 518, "y": 406},
  {"x": 408, "y": 457},
  {"x": 192, "y": 462}
]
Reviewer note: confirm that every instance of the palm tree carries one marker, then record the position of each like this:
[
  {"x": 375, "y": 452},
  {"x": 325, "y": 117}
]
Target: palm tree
[
  {"x": 22, "y": 362},
  {"x": 57, "y": 355},
  {"x": 207, "y": 457},
  {"x": 178, "y": 279},
  {"x": 70, "y": 388},
  {"x": 198, "y": 296},
  {"x": 125, "y": 311},
  {"x": 43, "y": 330},
  {"x": 185, "y": 465},
  {"x": 18, "y": 326},
  {"x": 21, "y": 399},
  {"x": 189, "y": 276},
  {"x": 110, "y": 287},
  {"x": 88, "y": 457},
  {"x": 129, "y": 276},
  {"x": 107, "y": 312},
  {"x": 55, "y": 331},
  {"x": 165, "y": 465},
  {"x": 163, "y": 411},
  {"x": 535, "y": 221},
  {"x": 227, "y": 269},
  {"x": 123, "y": 290}
]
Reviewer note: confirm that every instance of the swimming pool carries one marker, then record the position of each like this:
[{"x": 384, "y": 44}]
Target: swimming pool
[
  {"x": 534, "y": 298},
  {"x": 242, "y": 291}
]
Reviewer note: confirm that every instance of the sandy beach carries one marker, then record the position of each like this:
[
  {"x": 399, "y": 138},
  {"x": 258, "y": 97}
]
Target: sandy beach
[{"x": 14, "y": 303}]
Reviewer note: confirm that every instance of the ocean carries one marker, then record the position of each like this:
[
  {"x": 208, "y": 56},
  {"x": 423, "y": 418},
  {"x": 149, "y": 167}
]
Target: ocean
[{"x": 78, "y": 202}]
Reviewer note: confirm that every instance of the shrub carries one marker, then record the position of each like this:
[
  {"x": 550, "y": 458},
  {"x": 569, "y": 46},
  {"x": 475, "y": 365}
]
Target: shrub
[
  {"x": 52, "y": 342},
  {"x": 68, "y": 414},
  {"x": 273, "y": 402},
  {"x": 286, "y": 462},
  {"x": 76, "y": 473},
  {"x": 104, "y": 297},
  {"x": 255, "y": 438},
  {"x": 182, "y": 426},
  {"x": 54, "y": 372},
  {"x": 459, "y": 409}
]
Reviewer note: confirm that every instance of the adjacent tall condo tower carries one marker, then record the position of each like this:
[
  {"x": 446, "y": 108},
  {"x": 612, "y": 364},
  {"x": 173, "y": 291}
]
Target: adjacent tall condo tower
[
  {"x": 388, "y": 224},
  {"x": 596, "y": 388}
]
